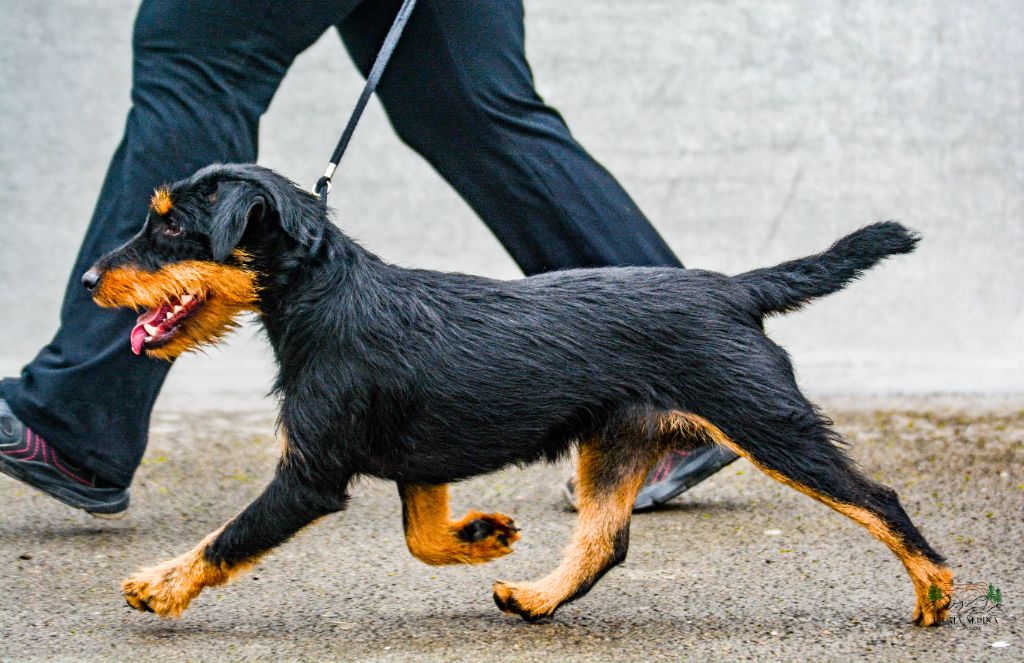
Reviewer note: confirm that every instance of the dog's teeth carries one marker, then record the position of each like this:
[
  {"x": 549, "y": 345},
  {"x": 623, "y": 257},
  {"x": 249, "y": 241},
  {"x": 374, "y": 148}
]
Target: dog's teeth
[
  {"x": 149, "y": 338},
  {"x": 185, "y": 299},
  {"x": 177, "y": 309},
  {"x": 150, "y": 329},
  {"x": 170, "y": 315}
]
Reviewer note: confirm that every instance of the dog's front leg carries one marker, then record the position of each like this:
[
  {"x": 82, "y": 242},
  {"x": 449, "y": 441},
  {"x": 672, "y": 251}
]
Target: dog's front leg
[
  {"x": 435, "y": 539},
  {"x": 286, "y": 505}
]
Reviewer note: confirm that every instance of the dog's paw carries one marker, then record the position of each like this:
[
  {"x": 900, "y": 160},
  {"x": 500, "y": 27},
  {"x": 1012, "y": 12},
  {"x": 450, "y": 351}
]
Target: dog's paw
[
  {"x": 931, "y": 613},
  {"x": 933, "y": 601},
  {"x": 523, "y": 600},
  {"x": 165, "y": 589},
  {"x": 156, "y": 589},
  {"x": 485, "y": 536}
]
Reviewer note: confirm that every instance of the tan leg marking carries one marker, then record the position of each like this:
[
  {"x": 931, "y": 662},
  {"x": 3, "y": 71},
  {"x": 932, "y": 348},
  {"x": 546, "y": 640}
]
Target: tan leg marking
[
  {"x": 604, "y": 514},
  {"x": 289, "y": 454},
  {"x": 168, "y": 587},
  {"x": 923, "y": 572},
  {"x": 435, "y": 539}
]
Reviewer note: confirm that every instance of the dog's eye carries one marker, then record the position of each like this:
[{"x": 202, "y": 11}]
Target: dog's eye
[{"x": 172, "y": 229}]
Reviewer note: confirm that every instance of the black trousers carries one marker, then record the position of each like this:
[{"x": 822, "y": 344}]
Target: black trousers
[{"x": 458, "y": 90}]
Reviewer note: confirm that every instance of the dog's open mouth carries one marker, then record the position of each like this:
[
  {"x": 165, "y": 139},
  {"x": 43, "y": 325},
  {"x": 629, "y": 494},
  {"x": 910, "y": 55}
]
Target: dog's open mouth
[{"x": 157, "y": 326}]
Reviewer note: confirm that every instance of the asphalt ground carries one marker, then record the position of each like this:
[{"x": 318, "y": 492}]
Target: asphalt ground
[{"x": 740, "y": 568}]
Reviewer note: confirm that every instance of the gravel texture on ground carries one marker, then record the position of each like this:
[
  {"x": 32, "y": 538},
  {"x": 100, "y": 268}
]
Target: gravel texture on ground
[{"x": 740, "y": 568}]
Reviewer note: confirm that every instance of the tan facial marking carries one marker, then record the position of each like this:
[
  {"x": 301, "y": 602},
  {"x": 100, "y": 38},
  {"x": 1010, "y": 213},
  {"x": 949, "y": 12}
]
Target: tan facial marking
[
  {"x": 161, "y": 201},
  {"x": 225, "y": 290}
]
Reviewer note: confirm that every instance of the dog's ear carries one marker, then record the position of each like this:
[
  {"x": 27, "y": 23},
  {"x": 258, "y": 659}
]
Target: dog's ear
[
  {"x": 248, "y": 193},
  {"x": 301, "y": 216},
  {"x": 238, "y": 204}
]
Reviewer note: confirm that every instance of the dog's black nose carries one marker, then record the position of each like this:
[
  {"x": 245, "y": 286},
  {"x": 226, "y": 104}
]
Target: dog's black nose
[{"x": 91, "y": 279}]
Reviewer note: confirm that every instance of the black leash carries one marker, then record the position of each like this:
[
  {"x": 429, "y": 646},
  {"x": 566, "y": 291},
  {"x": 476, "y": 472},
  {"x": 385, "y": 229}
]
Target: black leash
[{"x": 323, "y": 185}]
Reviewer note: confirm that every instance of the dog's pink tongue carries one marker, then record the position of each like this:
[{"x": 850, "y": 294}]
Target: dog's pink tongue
[{"x": 139, "y": 334}]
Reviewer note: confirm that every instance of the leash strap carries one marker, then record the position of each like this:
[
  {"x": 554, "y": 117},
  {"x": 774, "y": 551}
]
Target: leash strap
[{"x": 323, "y": 185}]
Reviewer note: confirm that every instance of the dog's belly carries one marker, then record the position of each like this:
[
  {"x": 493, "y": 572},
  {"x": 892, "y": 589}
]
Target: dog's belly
[{"x": 454, "y": 454}]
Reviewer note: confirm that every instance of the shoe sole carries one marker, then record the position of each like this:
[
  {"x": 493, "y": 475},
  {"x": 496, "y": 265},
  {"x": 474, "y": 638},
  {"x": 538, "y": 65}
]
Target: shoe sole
[
  {"x": 98, "y": 508},
  {"x": 117, "y": 515}
]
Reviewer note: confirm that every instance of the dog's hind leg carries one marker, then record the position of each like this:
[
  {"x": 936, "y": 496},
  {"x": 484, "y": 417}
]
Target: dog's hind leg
[
  {"x": 435, "y": 539},
  {"x": 799, "y": 450},
  {"x": 287, "y": 505},
  {"x": 609, "y": 473}
]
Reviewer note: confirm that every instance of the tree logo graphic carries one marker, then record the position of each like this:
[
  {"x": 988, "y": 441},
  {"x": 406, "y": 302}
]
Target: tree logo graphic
[{"x": 973, "y": 605}]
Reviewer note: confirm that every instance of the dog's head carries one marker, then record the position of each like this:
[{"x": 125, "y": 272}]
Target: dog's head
[{"x": 195, "y": 265}]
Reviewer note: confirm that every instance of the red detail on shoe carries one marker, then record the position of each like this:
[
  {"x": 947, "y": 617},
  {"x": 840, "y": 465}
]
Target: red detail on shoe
[
  {"x": 36, "y": 446},
  {"x": 23, "y": 449},
  {"x": 31, "y": 447},
  {"x": 664, "y": 467},
  {"x": 68, "y": 473}
]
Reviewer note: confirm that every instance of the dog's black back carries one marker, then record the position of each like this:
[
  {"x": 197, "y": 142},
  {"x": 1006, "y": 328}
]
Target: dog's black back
[{"x": 429, "y": 377}]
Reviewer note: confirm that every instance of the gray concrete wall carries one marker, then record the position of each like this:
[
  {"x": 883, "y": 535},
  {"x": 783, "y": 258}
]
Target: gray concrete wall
[{"x": 749, "y": 132}]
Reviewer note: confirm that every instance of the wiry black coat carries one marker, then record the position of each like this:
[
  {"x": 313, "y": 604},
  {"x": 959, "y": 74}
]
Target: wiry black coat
[
  {"x": 429, "y": 377},
  {"x": 425, "y": 377}
]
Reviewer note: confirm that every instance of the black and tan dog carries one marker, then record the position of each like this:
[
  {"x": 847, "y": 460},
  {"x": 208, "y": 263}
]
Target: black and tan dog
[{"x": 424, "y": 378}]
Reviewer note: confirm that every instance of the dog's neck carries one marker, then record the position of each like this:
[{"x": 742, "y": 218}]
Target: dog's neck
[{"x": 297, "y": 283}]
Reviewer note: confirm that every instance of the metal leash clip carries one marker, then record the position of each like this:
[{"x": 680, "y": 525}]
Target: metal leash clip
[{"x": 323, "y": 185}]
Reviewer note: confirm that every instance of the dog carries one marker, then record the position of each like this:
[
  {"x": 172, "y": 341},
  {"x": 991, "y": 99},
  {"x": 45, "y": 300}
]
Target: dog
[{"x": 424, "y": 378}]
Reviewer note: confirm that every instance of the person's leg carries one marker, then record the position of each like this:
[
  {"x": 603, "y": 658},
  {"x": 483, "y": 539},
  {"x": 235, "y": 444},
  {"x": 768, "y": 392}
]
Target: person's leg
[
  {"x": 460, "y": 92},
  {"x": 203, "y": 74}
]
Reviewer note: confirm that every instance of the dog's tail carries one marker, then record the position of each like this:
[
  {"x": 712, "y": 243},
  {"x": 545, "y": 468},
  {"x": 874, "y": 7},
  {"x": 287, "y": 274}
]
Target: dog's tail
[{"x": 790, "y": 285}]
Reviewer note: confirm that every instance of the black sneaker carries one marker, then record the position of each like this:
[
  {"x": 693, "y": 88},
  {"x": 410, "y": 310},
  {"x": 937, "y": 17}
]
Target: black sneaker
[
  {"x": 30, "y": 459},
  {"x": 675, "y": 473}
]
